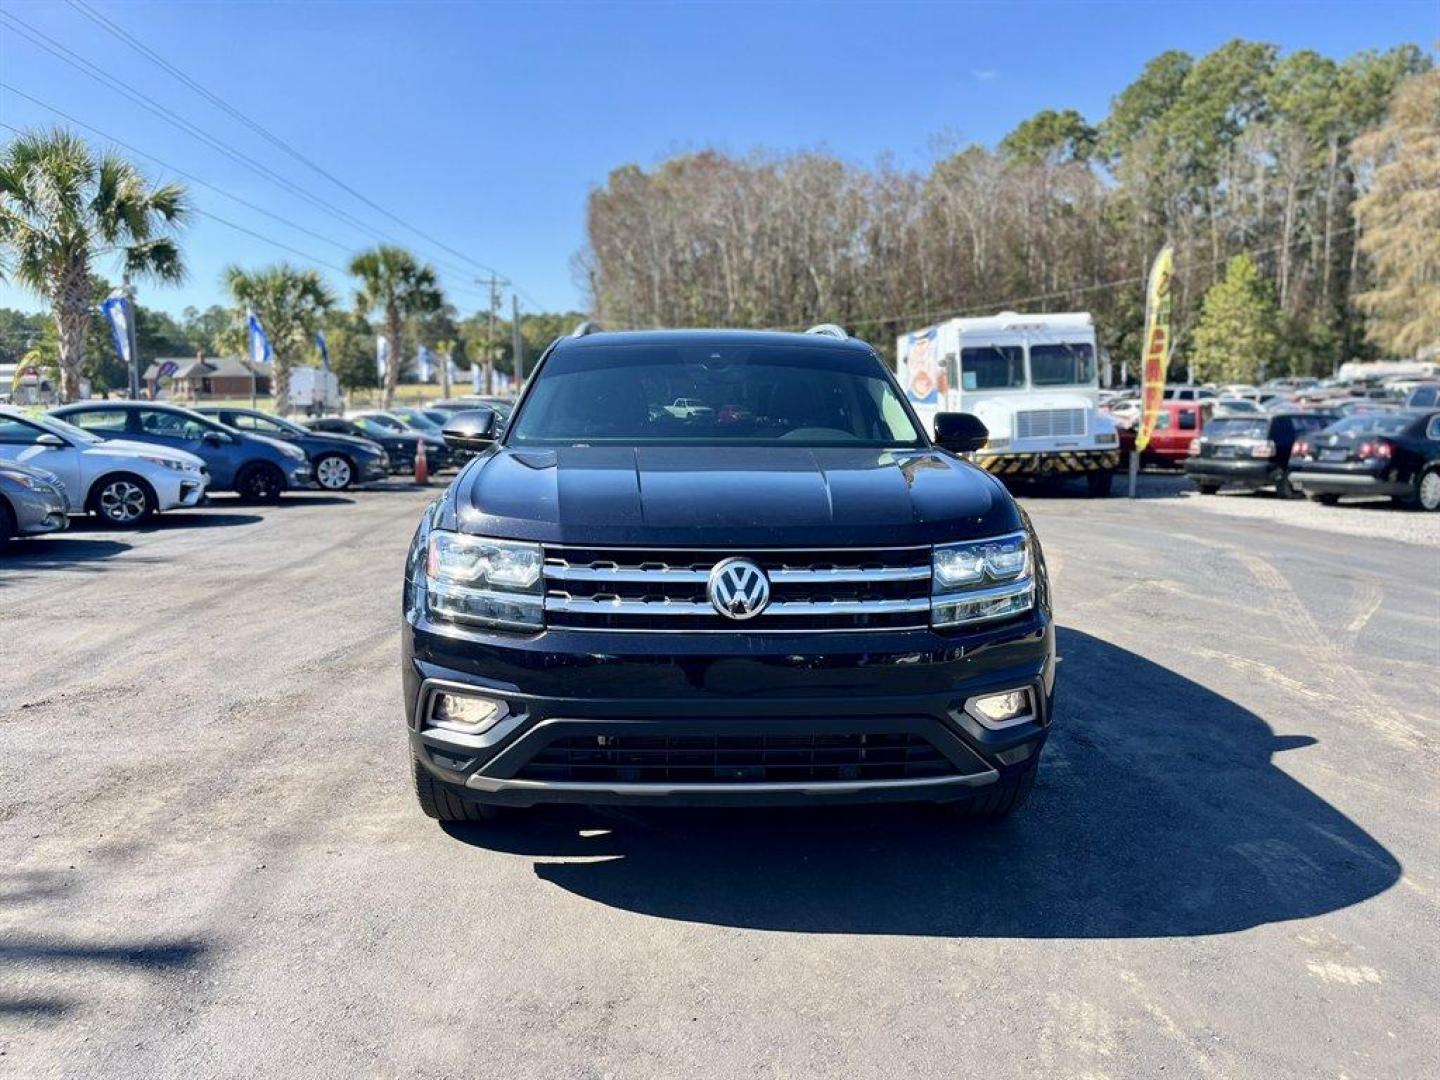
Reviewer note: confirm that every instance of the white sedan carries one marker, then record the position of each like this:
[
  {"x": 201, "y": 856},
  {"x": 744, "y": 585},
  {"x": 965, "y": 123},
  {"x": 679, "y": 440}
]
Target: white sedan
[{"x": 120, "y": 482}]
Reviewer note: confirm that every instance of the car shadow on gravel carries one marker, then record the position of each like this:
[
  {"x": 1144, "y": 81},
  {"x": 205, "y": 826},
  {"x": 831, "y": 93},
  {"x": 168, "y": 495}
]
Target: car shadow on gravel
[
  {"x": 57, "y": 552},
  {"x": 1159, "y": 812}
]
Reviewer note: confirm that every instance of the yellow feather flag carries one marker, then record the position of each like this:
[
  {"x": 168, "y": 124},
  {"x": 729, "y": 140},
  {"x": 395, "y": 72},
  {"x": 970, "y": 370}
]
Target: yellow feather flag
[{"x": 1155, "y": 358}]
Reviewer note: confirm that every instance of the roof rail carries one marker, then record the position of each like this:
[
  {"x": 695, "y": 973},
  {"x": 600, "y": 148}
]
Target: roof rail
[
  {"x": 829, "y": 329},
  {"x": 586, "y": 327}
]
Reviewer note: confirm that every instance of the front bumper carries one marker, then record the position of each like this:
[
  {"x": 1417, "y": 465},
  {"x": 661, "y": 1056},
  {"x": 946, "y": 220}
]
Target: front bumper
[
  {"x": 1049, "y": 463},
  {"x": 836, "y": 694},
  {"x": 38, "y": 512},
  {"x": 178, "y": 491},
  {"x": 373, "y": 469},
  {"x": 301, "y": 475}
]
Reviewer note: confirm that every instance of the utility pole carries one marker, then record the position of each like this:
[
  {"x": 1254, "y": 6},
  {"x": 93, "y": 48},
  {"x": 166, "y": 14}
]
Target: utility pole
[
  {"x": 518, "y": 343},
  {"x": 494, "y": 283}
]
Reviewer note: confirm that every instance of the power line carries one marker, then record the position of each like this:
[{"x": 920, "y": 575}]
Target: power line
[
  {"x": 213, "y": 187},
  {"x": 95, "y": 72},
  {"x": 220, "y": 103}
]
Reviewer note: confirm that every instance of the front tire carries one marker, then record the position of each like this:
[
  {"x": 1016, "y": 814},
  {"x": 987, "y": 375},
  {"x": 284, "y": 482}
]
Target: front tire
[
  {"x": 122, "y": 500},
  {"x": 260, "y": 482},
  {"x": 439, "y": 802},
  {"x": 7, "y": 521},
  {"x": 999, "y": 800},
  {"x": 1098, "y": 484},
  {"x": 1208, "y": 489},
  {"x": 333, "y": 472},
  {"x": 1325, "y": 498}
]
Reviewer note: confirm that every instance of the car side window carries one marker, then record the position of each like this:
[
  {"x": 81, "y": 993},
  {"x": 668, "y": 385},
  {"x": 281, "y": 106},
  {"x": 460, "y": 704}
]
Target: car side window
[
  {"x": 246, "y": 422},
  {"x": 110, "y": 421},
  {"x": 15, "y": 432},
  {"x": 172, "y": 425},
  {"x": 1187, "y": 420}
]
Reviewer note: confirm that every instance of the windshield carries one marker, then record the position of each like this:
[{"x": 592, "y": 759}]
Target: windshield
[
  {"x": 387, "y": 423},
  {"x": 417, "y": 419},
  {"x": 992, "y": 367},
  {"x": 1372, "y": 424},
  {"x": 371, "y": 427},
  {"x": 70, "y": 431},
  {"x": 735, "y": 394},
  {"x": 1062, "y": 365},
  {"x": 1237, "y": 429}
]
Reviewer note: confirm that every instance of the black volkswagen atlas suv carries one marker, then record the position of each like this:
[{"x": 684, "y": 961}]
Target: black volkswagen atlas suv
[{"x": 780, "y": 590}]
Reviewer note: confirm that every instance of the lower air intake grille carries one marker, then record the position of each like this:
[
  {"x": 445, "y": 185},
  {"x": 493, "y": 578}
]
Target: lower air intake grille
[{"x": 737, "y": 759}]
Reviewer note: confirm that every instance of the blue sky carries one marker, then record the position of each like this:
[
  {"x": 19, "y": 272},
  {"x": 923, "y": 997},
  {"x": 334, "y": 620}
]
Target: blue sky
[{"x": 486, "y": 125}]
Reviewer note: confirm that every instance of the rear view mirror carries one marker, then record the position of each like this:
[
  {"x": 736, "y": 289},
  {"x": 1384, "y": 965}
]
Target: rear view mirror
[
  {"x": 960, "y": 432},
  {"x": 473, "y": 429}
]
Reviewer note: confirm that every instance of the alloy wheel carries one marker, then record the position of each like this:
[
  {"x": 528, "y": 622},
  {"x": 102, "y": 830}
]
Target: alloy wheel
[{"x": 122, "y": 501}]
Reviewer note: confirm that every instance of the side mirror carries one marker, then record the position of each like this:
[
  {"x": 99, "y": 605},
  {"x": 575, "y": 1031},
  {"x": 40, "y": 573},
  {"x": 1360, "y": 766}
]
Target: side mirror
[
  {"x": 473, "y": 429},
  {"x": 216, "y": 438},
  {"x": 960, "y": 432},
  {"x": 49, "y": 438}
]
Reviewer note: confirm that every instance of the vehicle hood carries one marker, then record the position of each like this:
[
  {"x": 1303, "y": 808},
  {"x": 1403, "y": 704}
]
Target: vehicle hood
[
  {"x": 740, "y": 496},
  {"x": 331, "y": 438},
  {"x": 126, "y": 448}
]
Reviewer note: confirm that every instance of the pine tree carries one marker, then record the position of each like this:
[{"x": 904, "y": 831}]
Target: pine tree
[
  {"x": 1238, "y": 336},
  {"x": 1399, "y": 219}
]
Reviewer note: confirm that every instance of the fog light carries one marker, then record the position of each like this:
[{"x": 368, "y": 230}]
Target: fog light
[
  {"x": 1002, "y": 710},
  {"x": 465, "y": 713}
]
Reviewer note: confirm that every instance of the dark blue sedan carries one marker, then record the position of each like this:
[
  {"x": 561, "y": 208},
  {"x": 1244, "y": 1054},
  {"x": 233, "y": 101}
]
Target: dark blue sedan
[
  {"x": 336, "y": 460},
  {"x": 253, "y": 466}
]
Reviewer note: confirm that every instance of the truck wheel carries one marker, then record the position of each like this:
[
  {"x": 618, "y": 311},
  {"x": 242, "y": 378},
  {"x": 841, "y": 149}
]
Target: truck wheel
[
  {"x": 1098, "y": 483},
  {"x": 439, "y": 802},
  {"x": 999, "y": 800}
]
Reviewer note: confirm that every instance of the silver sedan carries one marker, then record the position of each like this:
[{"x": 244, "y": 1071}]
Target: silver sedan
[{"x": 32, "y": 501}]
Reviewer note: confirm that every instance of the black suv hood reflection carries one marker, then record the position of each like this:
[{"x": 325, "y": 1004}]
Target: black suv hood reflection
[{"x": 653, "y": 496}]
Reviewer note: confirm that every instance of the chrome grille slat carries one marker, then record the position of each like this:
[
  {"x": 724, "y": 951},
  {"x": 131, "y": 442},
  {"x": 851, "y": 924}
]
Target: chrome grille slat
[
  {"x": 1049, "y": 423},
  {"x": 871, "y": 588}
]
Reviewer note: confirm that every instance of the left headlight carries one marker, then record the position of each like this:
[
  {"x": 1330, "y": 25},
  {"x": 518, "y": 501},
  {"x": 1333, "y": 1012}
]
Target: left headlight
[
  {"x": 293, "y": 452},
  {"x": 982, "y": 580},
  {"x": 173, "y": 463},
  {"x": 474, "y": 579}
]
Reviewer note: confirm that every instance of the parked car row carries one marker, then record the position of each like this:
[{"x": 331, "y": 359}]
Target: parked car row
[
  {"x": 125, "y": 461},
  {"x": 1324, "y": 456}
]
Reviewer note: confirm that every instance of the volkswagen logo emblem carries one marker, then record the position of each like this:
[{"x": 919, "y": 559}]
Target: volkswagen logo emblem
[{"x": 738, "y": 589}]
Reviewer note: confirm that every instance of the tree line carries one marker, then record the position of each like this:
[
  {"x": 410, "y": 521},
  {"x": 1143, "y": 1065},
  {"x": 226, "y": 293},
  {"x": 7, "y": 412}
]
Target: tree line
[
  {"x": 64, "y": 208},
  {"x": 1314, "y": 173}
]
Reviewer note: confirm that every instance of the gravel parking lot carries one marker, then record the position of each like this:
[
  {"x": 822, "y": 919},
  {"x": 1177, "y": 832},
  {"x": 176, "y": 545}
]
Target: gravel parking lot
[{"x": 211, "y": 863}]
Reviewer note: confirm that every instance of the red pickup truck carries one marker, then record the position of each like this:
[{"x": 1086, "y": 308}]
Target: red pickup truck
[{"x": 1178, "y": 423}]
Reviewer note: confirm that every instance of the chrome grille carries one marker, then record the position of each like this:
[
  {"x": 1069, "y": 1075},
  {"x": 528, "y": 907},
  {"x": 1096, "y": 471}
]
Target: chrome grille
[
  {"x": 810, "y": 589},
  {"x": 1049, "y": 423}
]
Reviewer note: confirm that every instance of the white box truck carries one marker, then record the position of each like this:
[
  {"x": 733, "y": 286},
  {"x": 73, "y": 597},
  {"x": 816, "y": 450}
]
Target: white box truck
[
  {"x": 314, "y": 390},
  {"x": 1031, "y": 379}
]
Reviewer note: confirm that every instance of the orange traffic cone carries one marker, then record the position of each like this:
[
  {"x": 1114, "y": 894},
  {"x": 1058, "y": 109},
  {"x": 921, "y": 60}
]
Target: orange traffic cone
[{"x": 422, "y": 467}]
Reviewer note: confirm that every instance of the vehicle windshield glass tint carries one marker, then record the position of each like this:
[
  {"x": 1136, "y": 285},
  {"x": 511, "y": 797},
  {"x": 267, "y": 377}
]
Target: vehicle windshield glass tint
[
  {"x": 370, "y": 427},
  {"x": 1237, "y": 429},
  {"x": 742, "y": 395},
  {"x": 992, "y": 367},
  {"x": 1062, "y": 365},
  {"x": 1372, "y": 424}
]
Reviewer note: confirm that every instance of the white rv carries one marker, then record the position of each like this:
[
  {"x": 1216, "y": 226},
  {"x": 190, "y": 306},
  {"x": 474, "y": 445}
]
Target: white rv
[{"x": 1031, "y": 379}]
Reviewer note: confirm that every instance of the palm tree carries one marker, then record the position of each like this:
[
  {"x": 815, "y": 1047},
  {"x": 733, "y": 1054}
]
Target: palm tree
[
  {"x": 394, "y": 282},
  {"x": 62, "y": 208},
  {"x": 291, "y": 303}
]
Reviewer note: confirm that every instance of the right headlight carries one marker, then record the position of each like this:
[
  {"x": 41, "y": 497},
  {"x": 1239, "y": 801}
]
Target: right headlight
[
  {"x": 981, "y": 580},
  {"x": 477, "y": 580}
]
